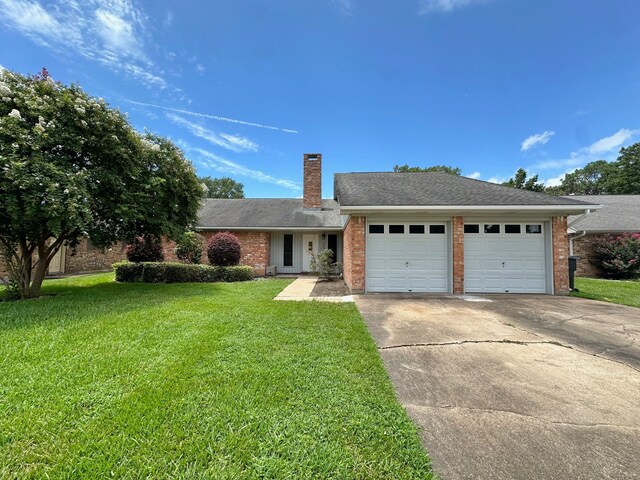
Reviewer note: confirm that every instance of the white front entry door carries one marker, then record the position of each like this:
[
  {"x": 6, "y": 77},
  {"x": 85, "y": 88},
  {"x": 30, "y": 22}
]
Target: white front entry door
[{"x": 309, "y": 249}]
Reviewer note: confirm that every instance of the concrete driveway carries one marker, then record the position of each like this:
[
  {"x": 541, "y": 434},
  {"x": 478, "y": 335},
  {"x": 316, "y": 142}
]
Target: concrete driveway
[{"x": 515, "y": 387}]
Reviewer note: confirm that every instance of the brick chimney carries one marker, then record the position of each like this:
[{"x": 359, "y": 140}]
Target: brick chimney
[{"x": 312, "y": 194}]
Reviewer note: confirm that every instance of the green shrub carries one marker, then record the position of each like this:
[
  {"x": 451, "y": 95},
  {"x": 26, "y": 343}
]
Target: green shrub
[
  {"x": 323, "y": 264},
  {"x": 618, "y": 255},
  {"x": 128, "y": 271},
  {"x": 169, "y": 272},
  {"x": 189, "y": 248}
]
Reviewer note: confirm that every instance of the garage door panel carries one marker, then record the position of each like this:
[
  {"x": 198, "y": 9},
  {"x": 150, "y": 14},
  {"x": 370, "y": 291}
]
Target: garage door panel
[
  {"x": 415, "y": 262},
  {"x": 505, "y": 262}
]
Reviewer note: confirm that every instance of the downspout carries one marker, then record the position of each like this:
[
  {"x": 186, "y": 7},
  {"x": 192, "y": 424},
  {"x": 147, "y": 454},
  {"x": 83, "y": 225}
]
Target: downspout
[
  {"x": 582, "y": 232},
  {"x": 571, "y": 239}
]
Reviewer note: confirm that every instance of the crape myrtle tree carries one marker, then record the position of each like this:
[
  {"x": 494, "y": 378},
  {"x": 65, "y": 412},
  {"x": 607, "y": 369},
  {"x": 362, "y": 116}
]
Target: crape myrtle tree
[{"x": 72, "y": 167}]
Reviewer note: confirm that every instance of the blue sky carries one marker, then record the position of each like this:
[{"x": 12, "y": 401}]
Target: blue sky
[{"x": 246, "y": 87}]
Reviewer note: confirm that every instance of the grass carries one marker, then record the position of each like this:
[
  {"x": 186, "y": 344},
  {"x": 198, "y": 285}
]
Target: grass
[
  {"x": 624, "y": 292},
  {"x": 195, "y": 381}
]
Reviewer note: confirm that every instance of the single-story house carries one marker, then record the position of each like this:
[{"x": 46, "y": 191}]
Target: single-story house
[
  {"x": 403, "y": 232},
  {"x": 408, "y": 232},
  {"x": 619, "y": 214}
]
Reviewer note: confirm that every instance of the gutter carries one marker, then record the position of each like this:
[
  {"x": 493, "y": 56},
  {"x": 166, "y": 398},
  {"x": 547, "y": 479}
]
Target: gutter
[{"x": 578, "y": 209}]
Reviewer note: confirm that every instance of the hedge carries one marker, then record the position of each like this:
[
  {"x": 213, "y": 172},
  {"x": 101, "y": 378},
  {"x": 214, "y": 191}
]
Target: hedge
[{"x": 170, "y": 272}]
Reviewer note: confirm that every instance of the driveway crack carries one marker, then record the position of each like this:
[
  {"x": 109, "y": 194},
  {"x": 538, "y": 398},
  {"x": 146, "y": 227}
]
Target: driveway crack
[
  {"x": 463, "y": 342},
  {"x": 510, "y": 342},
  {"x": 519, "y": 414}
]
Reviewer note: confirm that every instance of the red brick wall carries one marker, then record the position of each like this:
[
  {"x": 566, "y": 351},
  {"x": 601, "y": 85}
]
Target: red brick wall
[
  {"x": 457, "y": 224},
  {"x": 312, "y": 193},
  {"x": 560, "y": 242},
  {"x": 88, "y": 259},
  {"x": 583, "y": 248},
  {"x": 354, "y": 254},
  {"x": 255, "y": 249}
]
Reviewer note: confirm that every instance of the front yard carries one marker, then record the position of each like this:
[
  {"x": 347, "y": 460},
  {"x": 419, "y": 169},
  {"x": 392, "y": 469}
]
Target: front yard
[
  {"x": 624, "y": 292},
  {"x": 191, "y": 381}
]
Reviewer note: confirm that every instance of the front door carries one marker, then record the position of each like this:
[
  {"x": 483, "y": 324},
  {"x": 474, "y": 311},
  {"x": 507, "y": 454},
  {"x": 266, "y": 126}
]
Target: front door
[{"x": 309, "y": 249}]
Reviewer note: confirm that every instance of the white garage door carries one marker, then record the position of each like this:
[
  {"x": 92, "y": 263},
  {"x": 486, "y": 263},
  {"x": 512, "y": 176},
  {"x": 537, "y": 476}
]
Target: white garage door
[
  {"x": 407, "y": 257},
  {"x": 504, "y": 258}
]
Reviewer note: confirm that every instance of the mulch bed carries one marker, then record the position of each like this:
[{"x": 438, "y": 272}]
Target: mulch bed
[{"x": 327, "y": 288}]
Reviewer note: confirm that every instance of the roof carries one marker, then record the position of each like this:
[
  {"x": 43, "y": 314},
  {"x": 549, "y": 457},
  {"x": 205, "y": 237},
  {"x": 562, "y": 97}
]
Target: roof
[
  {"x": 434, "y": 189},
  {"x": 620, "y": 213},
  {"x": 266, "y": 213}
]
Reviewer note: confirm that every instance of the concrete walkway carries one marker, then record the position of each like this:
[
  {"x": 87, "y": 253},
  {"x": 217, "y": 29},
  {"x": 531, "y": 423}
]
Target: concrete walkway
[{"x": 300, "y": 291}]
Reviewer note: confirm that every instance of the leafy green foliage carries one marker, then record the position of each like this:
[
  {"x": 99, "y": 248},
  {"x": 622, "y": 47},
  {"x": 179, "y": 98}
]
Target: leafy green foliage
[
  {"x": 223, "y": 249},
  {"x": 590, "y": 180},
  {"x": 434, "y": 168},
  {"x": 618, "y": 255},
  {"x": 223, "y": 187},
  {"x": 172, "y": 272},
  {"x": 145, "y": 249},
  {"x": 72, "y": 167},
  {"x": 624, "y": 177},
  {"x": 323, "y": 265},
  {"x": 620, "y": 177},
  {"x": 113, "y": 380},
  {"x": 520, "y": 180},
  {"x": 189, "y": 247}
]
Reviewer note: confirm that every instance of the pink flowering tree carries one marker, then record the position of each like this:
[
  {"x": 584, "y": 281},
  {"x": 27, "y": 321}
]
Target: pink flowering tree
[
  {"x": 618, "y": 255},
  {"x": 72, "y": 167}
]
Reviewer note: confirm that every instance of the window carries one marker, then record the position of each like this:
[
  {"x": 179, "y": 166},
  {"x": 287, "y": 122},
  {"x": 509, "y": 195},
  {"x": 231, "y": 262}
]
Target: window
[
  {"x": 376, "y": 228},
  {"x": 436, "y": 229},
  {"x": 536, "y": 229},
  {"x": 472, "y": 228},
  {"x": 332, "y": 244},
  {"x": 491, "y": 228},
  {"x": 512, "y": 228},
  {"x": 288, "y": 250},
  {"x": 416, "y": 228},
  {"x": 396, "y": 228}
]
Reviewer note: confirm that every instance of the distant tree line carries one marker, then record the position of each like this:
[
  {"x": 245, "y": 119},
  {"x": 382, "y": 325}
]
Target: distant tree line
[{"x": 619, "y": 177}]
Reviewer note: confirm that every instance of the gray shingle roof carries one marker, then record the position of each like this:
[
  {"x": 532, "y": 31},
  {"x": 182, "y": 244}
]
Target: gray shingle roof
[
  {"x": 431, "y": 189},
  {"x": 620, "y": 213},
  {"x": 265, "y": 213}
]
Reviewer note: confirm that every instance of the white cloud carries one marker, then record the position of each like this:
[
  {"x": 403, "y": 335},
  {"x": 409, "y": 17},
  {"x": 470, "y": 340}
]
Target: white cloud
[
  {"x": 213, "y": 117},
  {"x": 116, "y": 33},
  {"x": 613, "y": 142},
  {"x": 230, "y": 142},
  {"x": 497, "y": 180},
  {"x": 474, "y": 175},
  {"x": 200, "y": 68},
  {"x": 444, "y": 6},
  {"x": 222, "y": 165},
  {"x": 109, "y": 32},
  {"x": 604, "y": 149},
  {"x": 344, "y": 6},
  {"x": 537, "y": 139},
  {"x": 168, "y": 19}
]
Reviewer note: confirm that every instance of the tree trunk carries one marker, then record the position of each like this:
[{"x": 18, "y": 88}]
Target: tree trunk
[{"x": 45, "y": 254}]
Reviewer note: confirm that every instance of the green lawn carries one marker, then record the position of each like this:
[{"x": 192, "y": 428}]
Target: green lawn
[
  {"x": 195, "y": 381},
  {"x": 625, "y": 292}
]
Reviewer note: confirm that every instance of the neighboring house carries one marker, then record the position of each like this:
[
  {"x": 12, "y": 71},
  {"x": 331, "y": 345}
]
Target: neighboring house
[
  {"x": 409, "y": 232},
  {"x": 619, "y": 214},
  {"x": 406, "y": 232}
]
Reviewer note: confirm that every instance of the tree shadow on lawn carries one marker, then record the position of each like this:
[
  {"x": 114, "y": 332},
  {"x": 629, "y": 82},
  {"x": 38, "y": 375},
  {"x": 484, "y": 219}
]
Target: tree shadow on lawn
[{"x": 90, "y": 300}]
